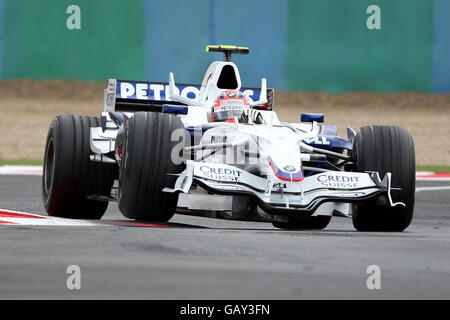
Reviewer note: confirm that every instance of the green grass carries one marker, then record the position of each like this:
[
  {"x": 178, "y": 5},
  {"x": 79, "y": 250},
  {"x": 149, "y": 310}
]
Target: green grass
[
  {"x": 38, "y": 162},
  {"x": 25, "y": 162},
  {"x": 433, "y": 168}
]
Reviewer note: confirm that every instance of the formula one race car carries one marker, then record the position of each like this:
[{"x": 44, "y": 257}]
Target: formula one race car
[{"x": 219, "y": 150}]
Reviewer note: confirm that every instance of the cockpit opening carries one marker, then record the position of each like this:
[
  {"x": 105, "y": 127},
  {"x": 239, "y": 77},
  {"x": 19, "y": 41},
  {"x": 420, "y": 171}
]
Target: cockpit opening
[{"x": 227, "y": 78}]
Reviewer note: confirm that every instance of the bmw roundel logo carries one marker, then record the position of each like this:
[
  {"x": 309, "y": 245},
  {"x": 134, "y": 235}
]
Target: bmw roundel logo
[
  {"x": 231, "y": 94},
  {"x": 289, "y": 168}
]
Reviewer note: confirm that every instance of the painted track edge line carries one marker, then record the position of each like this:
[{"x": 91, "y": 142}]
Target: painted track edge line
[{"x": 37, "y": 171}]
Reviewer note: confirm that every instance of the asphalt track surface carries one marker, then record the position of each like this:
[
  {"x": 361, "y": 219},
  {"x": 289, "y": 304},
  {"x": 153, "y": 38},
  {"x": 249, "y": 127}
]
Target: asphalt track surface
[{"x": 201, "y": 258}]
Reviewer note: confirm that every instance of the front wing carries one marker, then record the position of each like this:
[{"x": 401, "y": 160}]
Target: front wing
[{"x": 286, "y": 197}]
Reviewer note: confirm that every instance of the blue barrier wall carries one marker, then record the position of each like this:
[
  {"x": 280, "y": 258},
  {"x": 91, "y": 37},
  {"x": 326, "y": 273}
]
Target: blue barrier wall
[
  {"x": 177, "y": 32},
  {"x": 295, "y": 44},
  {"x": 1, "y": 37},
  {"x": 441, "y": 48}
]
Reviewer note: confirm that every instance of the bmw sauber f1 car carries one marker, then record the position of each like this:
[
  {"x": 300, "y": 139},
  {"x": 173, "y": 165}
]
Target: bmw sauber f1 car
[{"x": 219, "y": 150}]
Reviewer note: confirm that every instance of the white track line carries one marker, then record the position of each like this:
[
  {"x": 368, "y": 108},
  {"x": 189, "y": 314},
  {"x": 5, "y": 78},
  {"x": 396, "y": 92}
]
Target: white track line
[
  {"x": 50, "y": 222},
  {"x": 37, "y": 170},
  {"x": 432, "y": 179},
  {"x": 18, "y": 218},
  {"x": 432, "y": 188},
  {"x": 21, "y": 170},
  {"x": 12, "y": 217}
]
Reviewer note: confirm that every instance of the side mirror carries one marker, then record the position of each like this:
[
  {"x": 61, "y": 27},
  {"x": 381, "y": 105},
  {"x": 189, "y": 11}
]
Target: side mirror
[
  {"x": 311, "y": 117},
  {"x": 177, "y": 97},
  {"x": 263, "y": 95}
]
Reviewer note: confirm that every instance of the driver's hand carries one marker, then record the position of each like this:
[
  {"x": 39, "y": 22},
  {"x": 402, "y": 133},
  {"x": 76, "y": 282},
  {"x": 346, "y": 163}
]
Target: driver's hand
[{"x": 254, "y": 115}]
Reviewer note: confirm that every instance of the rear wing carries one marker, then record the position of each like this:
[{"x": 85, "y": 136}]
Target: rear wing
[{"x": 133, "y": 96}]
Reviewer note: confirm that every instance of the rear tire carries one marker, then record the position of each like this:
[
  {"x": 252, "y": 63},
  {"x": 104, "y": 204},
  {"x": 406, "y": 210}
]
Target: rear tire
[
  {"x": 386, "y": 149},
  {"x": 304, "y": 223},
  {"x": 147, "y": 167},
  {"x": 69, "y": 175}
]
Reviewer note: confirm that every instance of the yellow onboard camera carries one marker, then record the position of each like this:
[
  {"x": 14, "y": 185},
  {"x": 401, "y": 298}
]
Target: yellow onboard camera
[{"x": 227, "y": 50}]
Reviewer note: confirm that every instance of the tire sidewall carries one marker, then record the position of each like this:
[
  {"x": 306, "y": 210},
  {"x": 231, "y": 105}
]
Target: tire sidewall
[{"x": 52, "y": 137}]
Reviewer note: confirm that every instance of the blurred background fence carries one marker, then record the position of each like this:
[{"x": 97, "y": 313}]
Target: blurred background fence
[{"x": 297, "y": 44}]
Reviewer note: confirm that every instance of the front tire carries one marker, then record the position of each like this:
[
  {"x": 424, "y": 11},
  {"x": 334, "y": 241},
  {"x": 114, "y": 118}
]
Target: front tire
[
  {"x": 386, "y": 149},
  {"x": 148, "y": 166},
  {"x": 69, "y": 175}
]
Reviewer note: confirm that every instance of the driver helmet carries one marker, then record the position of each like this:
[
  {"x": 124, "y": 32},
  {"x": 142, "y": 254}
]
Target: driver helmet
[{"x": 230, "y": 104}]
